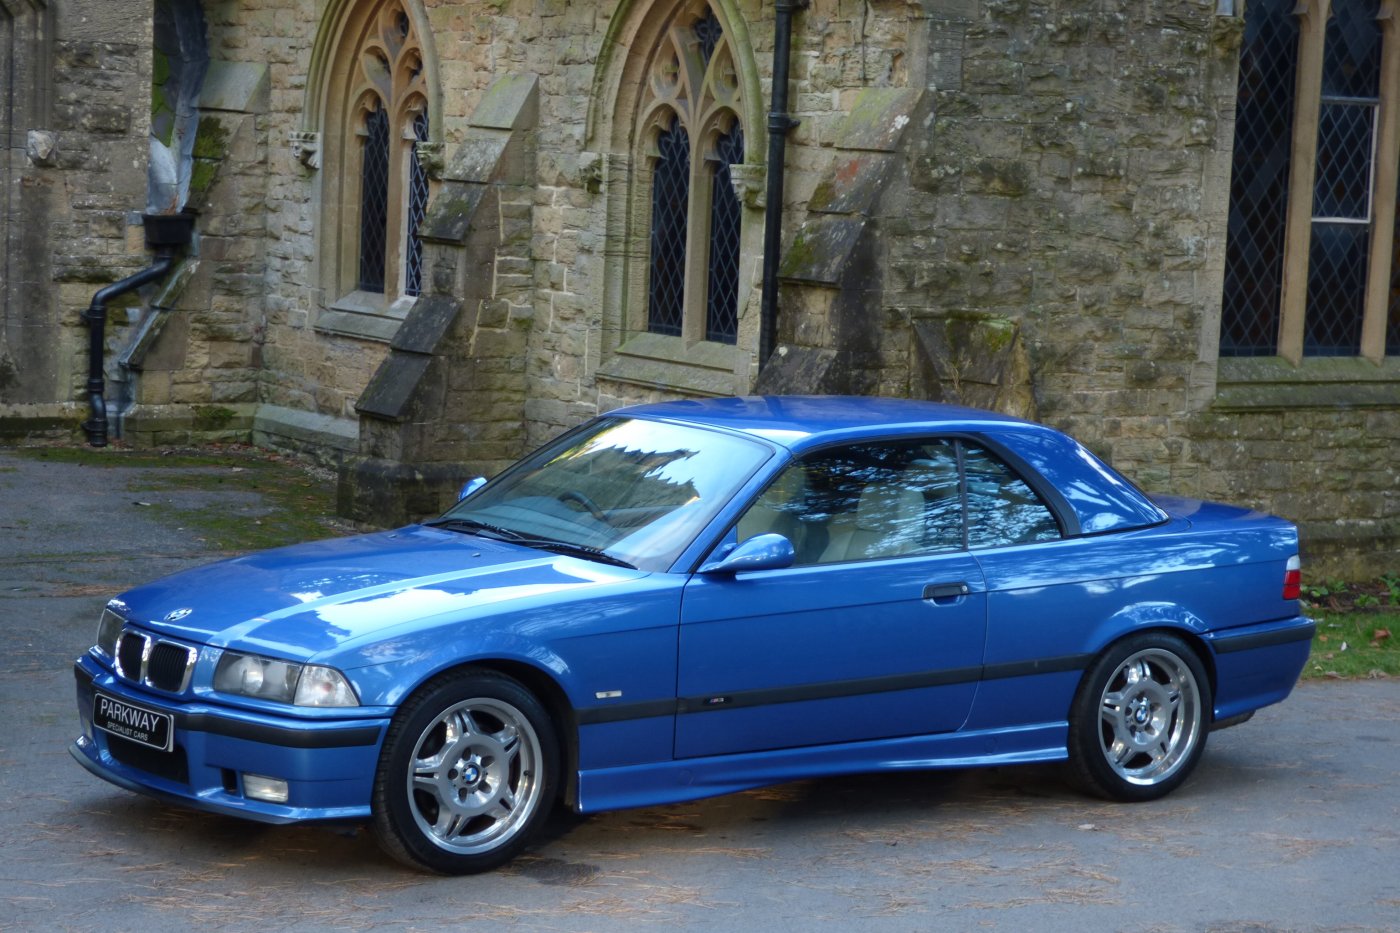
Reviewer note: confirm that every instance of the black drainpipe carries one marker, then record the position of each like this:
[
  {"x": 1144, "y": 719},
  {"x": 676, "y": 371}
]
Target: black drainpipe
[
  {"x": 779, "y": 123},
  {"x": 165, "y": 233}
]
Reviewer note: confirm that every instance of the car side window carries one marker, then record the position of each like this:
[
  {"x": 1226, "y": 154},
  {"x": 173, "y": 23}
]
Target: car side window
[
  {"x": 864, "y": 501},
  {"x": 1002, "y": 509}
]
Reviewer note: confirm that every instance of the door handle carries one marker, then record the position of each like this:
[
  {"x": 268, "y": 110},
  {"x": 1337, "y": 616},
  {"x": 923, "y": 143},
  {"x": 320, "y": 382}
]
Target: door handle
[{"x": 945, "y": 593}]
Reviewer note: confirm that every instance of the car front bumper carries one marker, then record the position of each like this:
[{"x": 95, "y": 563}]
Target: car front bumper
[{"x": 328, "y": 765}]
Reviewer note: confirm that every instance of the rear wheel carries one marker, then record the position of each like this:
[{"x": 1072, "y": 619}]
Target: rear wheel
[
  {"x": 1139, "y": 721},
  {"x": 467, "y": 774}
]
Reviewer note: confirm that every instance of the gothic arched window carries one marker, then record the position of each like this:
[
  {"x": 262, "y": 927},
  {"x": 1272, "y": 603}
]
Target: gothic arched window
[
  {"x": 691, "y": 134},
  {"x": 390, "y": 119},
  {"x": 377, "y": 90}
]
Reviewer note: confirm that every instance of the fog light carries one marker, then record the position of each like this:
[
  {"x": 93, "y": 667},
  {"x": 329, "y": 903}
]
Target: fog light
[{"x": 271, "y": 790}]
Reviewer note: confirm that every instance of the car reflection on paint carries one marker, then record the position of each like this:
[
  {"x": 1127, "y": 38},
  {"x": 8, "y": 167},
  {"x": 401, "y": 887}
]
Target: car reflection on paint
[{"x": 692, "y": 598}]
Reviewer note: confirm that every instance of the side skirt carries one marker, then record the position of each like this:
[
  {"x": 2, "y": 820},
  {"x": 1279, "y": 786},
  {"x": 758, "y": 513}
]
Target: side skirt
[{"x": 655, "y": 783}]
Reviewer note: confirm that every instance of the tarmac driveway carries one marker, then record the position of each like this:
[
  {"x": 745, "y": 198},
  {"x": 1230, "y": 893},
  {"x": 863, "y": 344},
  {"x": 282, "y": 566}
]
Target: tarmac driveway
[{"x": 1292, "y": 821}]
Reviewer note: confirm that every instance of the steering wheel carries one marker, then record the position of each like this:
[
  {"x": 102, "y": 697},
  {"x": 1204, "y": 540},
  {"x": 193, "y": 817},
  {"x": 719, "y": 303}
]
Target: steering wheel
[{"x": 589, "y": 506}]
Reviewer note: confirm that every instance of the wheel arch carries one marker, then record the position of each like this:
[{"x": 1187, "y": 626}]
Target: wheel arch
[
  {"x": 1193, "y": 639},
  {"x": 550, "y": 694},
  {"x": 1160, "y": 619}
]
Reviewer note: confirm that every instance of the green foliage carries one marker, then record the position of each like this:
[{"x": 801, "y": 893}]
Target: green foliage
[
  {"x": 1354, "y": 646},
  {"x": 1391, "y": 582},
  {"x": 1316, "y": 592}
]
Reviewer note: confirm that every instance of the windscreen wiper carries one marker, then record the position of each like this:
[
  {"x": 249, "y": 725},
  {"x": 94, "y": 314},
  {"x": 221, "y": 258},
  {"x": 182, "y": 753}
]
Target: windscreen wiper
[
  {"x": 471, "y": 525},
  {"x": 587, "y": 552},
  {"x": 487, "y": 530}
]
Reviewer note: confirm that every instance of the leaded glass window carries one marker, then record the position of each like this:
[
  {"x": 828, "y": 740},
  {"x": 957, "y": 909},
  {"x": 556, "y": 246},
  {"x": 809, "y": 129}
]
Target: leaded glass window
[
  {"x": 692, "y": 134},
  {"x": 1259, "y": 179},
  {"x": 1343, "y": 180},
  {"x": 417, "y": 207},
  {"x": 1319, "y": 284},
  {"x": 722, "y": 298},
  {"x": 1392, "y": 331},
  {"x": 374, "y": 200},
  {"x": 670, "y": 208}
]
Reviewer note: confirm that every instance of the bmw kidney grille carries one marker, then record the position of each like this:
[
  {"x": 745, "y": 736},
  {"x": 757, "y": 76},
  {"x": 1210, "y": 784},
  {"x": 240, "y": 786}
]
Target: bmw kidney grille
[{"x": 154, "y": 662}]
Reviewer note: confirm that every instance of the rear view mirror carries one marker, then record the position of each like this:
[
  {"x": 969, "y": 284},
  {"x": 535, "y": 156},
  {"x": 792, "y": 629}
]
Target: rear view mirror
[{"x": 761, "y": 552}]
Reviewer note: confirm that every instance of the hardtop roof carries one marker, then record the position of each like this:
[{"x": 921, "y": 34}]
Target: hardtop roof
[{"x": 804, "y": 420}]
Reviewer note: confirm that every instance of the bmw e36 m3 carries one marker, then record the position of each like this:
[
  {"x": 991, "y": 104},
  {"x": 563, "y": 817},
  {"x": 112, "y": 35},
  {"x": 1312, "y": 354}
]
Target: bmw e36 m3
[{"x": 697, "y": 597}]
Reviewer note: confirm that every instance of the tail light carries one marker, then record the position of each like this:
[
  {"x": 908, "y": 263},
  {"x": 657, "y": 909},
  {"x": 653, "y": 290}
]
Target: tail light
[{"x": 1293, "y": 578}]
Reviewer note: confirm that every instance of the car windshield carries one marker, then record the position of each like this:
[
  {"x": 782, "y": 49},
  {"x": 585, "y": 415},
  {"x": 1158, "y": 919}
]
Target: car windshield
[{"x": 628, "y": 490}]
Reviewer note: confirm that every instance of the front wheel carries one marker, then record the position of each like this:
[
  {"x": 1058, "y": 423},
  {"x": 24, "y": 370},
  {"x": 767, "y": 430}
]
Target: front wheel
[
  {"x": 466, "y": 776},
  {"x": 1138, "y": 724}
]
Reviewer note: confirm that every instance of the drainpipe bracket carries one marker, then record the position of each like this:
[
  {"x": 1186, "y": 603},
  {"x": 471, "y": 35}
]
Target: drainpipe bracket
[{"x": 782, "y": 123}]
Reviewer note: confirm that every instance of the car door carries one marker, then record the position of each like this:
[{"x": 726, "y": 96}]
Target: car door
[{"x": 876, "y": 631}]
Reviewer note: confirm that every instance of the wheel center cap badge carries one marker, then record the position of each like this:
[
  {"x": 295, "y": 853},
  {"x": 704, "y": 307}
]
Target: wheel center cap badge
[{"x": 471, "y": 774}]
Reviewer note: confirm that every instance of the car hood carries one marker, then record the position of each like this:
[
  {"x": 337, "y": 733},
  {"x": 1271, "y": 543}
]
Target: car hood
[{"x": 299, "y": 601}]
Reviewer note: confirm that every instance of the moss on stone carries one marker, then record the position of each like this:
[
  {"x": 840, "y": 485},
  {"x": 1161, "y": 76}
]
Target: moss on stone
[
  {"x": 1003, "y": 177},
  {"x": 162, "y": 112},
  {"x": 997, "y": 333},
  {"x": 212, "y": 417},
  {"x": 202, "y": 175},
  {"x": 160, "y": 68},
  {"x": 211, "y": 141}
]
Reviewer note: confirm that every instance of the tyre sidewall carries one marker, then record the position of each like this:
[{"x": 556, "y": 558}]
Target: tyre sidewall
[
  {"x": 1087, "y": 759},
  {"x": 394, "y": 823}
]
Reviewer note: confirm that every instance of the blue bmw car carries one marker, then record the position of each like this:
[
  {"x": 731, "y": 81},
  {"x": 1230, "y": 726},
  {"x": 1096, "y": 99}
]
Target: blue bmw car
[{"x": 698, "y": 597}]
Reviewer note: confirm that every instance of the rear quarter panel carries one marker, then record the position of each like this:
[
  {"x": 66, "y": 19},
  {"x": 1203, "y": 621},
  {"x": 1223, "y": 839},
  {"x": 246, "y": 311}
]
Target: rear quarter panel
[{"x": 1053, "y": 607}]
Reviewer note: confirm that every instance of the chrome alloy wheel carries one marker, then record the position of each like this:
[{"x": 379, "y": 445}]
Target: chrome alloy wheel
[
  {"x": 1150, "y": 716},
  {"x": 473, "y": 779}
]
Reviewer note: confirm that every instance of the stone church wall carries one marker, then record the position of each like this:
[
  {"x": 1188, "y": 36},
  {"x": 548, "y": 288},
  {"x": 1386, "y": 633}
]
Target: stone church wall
[
  {"x": 74, "y": 174},
  {"x": 1003, "y": 203}
]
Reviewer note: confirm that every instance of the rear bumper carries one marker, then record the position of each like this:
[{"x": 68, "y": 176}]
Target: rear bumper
[
  {"x": 328, "y": 765},
  {"x": 1257, "y": 665}
]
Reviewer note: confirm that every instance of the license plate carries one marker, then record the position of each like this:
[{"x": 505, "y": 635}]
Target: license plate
[{"x": 134, "y": 723}]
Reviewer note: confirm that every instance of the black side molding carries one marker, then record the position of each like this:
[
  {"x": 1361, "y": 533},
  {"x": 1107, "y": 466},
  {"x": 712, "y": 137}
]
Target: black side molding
[{"x": 1226, "y": 644}]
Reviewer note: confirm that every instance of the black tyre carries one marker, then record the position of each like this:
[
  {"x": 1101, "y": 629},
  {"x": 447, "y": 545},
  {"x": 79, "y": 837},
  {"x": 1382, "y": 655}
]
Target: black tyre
[
  {"x": 1139, "y": 722},
  {"x": 467, "y": 774}
]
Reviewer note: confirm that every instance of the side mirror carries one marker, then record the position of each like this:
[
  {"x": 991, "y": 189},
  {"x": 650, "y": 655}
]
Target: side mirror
[
  {"x": 761, "y": 552},
  {"x": 471, "y": 486}
]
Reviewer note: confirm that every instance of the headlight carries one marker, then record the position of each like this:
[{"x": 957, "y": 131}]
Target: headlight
[
  {"x": 252, "y": 675},
  {"x": 109, "y": 627}
]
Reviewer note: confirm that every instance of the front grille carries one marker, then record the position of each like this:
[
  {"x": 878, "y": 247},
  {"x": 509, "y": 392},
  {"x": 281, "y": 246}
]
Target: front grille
[
  {"x": 131, "y": 653},
  {"x": 173, "y": 766},
  {"x": 164, "y": 665},
  {"x": 168, "y": 665}
]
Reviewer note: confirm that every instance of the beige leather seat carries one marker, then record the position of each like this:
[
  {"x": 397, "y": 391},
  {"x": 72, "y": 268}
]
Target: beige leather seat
[{"x": 887, "y": 522}]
